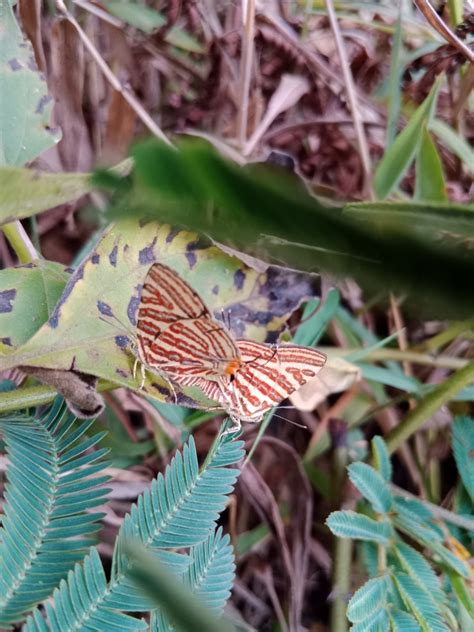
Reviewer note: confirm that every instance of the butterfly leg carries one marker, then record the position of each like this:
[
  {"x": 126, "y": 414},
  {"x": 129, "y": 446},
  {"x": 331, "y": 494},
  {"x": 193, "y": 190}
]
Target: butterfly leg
[{"x": 235, "y": 427}]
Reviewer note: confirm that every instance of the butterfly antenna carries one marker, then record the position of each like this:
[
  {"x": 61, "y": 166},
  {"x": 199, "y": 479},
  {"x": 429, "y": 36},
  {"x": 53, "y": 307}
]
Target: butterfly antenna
[{"x": 290, "y": 421}]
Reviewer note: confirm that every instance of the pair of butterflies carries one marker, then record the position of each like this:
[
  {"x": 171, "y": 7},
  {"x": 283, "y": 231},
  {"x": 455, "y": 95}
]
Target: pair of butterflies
[{"x": 178, "y": 338}]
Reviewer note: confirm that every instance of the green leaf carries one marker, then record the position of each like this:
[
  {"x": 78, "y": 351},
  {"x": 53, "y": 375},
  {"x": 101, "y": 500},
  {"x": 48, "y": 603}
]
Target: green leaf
[
  {"x": 179, "y": 511},
  {"x": 404, "y": 622},
  {"x": 276, "y": 218},
  {"x": 25, "y": 106},
  {"x": 462, "y": 592},
  {"x": 148, "y": 20},
  {"x": 27, "y": 192},
  {"x": 394, "y": 83},
  {"x": 454, "y": 142},
  {"x": 415, "y": 565},
  {"x": 382, "y": 458},
  {"x": 370, "y": 598},
  {"x": 138, "y": 15},
  {"x": 431, "y": 219},
  {"x": 430, "y": 183},
  {"x": 47, "y": 525},
  {"x": 177, "y": 603},
  {"x": 463, "y": 449},
  {"x": 377, "y": 622},
  {"x": 389, "y": 377},
  {"x": 371, "y": 485},
  {"x": 93, "y": 326},
  {"x": 315, "y": 319},
  {"x": 398, "y": 158},
  {"x": 429, "y": 405},
  {"x": 349, "y": 524},
  {"x": 69, "y": 612},
  {"x": 420, "y": 603},
  {"x": 35, "y": 286}
]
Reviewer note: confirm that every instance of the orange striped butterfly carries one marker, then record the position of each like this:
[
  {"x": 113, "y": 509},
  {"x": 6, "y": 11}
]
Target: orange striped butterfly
[{"x": 178, "y": 337}]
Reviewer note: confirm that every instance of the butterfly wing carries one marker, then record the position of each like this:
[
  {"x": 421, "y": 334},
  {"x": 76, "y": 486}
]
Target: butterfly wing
[
  {"x": 266, "y": 376},
  {"x": 271, "y": 374},
  {"x": 176, "y": 332}
]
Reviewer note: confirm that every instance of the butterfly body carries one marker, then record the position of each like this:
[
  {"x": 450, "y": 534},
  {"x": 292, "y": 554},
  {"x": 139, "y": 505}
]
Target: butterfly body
[{"x": 178, "y": 338}]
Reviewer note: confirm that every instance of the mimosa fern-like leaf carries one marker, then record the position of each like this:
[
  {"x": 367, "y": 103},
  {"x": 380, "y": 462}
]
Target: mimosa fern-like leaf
[{"x": 46, "y": 526}]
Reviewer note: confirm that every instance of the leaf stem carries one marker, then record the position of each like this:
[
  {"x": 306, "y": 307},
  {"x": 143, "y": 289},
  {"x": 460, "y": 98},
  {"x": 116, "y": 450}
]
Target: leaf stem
[
  {"x": 429, "y": 405},
  {"x": 20, "y": 242}
]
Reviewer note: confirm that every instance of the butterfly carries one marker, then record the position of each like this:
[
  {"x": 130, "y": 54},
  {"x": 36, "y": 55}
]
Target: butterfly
[{"x": 178, "y": 337}]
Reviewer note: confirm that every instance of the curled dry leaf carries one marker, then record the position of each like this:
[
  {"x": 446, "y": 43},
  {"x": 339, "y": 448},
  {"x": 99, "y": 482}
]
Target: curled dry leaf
[{"x": 338, "y": 375}]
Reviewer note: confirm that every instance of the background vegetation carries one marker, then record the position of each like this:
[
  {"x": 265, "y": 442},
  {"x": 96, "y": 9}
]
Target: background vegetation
[{"x": 333, "y": 138}]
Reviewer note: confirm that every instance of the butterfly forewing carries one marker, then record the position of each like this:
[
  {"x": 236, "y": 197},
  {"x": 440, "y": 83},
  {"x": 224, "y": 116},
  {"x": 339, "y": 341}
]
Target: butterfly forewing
[{"x": 177, "y": 333}]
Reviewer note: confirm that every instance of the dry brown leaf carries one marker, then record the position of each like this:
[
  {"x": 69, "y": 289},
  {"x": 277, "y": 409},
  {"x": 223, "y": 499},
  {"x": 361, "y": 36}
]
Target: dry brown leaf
[
  {"x": 289, "y": 92},
  {"x": 338, "y": 375}
]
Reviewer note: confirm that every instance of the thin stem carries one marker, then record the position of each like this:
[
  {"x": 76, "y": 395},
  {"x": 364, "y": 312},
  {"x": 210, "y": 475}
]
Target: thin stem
[
  {"x": 381, "y": 559},
  {"x": 248, "y": 34},
  {"x": 437, "y": 511},
  {"x": 341, "y": 583},
  {"x": 384, "y": 354},
  {"x": 352, "y": 98},
  {"x": 429, "y": 405},
  {"x": 29, "y": 397},
  {"x": 124, "y": 90},
  {"x": 20, "y": 242}
]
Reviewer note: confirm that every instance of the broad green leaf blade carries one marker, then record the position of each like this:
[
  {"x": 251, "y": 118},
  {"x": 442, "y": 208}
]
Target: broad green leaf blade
[
  {"x": 398, "y": 158},
  {"x": 382, "y": 458},
  {"x": 93, "y": 325},
  {"x": 463, "y": 449},
  {"x": 349, "y": 524},
  {"x": 370, "y": 598},
  {"x": 28, "y": 295},
  {"x": 433, "y": 219},
  {"x": 454, "y": 142},
  {"x": 25, "y": 106},
  {"x": 27, "y": 192},
  {"x": 313, "y": 325},
  {"x": 371, "y": 485},
  {"x": 430, "y": 183},
  {"x": 275, "y": 218}
]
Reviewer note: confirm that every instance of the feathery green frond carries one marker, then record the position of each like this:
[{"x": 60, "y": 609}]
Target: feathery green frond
[
  {"x": 463, "y": 449},
  {"x": 211, "y": 573},
  {"x": 415, "y": 565},
  {"x": 46, "y": 527},
  {"x": 350, "y": 524},
  {"x": 420, "y": 603},
  {"x": 370, "y": 598},
  {"x": 378, "y": 622},
  {"x": 209, "y": 577},
  {"x": 371, "y": 485},
  {"x": 404, "y": 622},
  {"x": 178, "y": 511}
]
